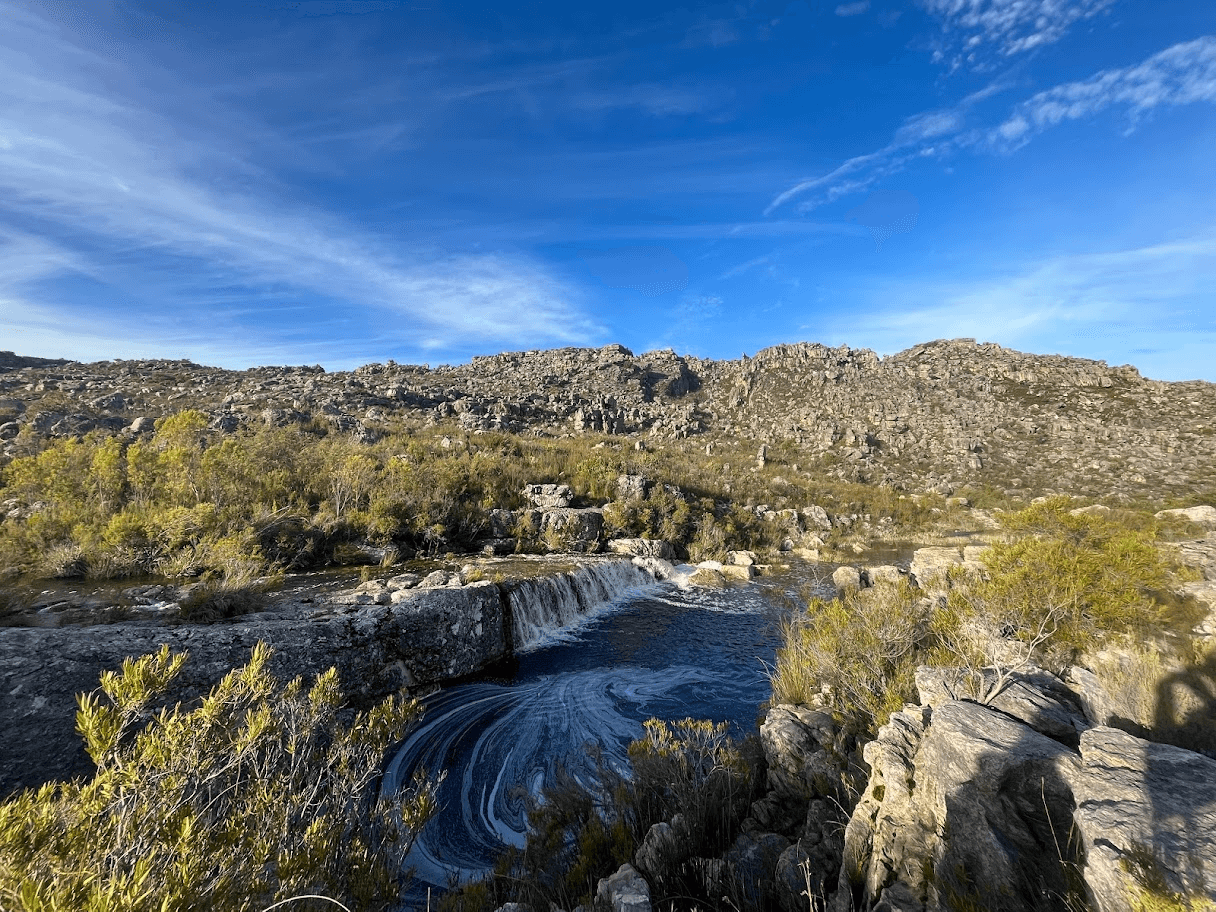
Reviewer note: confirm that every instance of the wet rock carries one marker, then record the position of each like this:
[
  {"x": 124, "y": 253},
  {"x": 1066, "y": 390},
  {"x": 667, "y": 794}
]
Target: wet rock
[{"x": 707, "y": 578}]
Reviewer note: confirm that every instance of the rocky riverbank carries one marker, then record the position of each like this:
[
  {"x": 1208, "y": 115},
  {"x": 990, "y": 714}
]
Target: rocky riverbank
[
  {"x": 1044, "y": 797},
  {"x": 382, "y": 636}
]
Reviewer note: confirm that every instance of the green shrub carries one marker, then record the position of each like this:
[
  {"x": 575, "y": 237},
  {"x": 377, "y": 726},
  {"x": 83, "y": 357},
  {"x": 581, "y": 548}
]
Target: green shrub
[
  {"x": 259, "y": 794},
  {"x": 856, "y": 655},
  {"x": 1062, "y": 586}
]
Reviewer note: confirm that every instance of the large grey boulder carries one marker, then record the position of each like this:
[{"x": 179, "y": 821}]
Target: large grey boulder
[
  {"x": 1138, "y": 805},
  {"x": 666, "y": 846},
  {"x": 930, "y": 567},
  {"x": 632, "y": 487},
  {"x": 624, "y": 891},
  {"x": 578, "y": 529},
  {"x": 846, "y": 579},
  {"x": 964, "y": 804},
  {"x": 546, "y": 496},
  {"x": 799, "y": 749}
]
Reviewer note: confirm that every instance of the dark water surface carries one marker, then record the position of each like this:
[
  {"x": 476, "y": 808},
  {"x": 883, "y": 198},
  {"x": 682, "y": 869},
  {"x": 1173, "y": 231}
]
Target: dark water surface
[{"x": 657, "y": 651}]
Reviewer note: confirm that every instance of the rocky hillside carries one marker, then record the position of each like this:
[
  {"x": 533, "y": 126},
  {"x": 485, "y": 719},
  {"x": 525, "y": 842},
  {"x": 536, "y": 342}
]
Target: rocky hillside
[{"x": 940, "y": 415}]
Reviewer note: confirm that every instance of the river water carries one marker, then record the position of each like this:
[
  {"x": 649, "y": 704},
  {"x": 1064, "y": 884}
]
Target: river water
[{"x": 654, "y": 651}]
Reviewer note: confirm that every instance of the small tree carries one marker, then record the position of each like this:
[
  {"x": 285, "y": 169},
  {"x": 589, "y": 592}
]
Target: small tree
[{"x": 258, "y": 795}]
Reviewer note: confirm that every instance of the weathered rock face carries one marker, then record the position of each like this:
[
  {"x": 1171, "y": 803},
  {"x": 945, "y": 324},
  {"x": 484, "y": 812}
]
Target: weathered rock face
[
  {"x": 377, "y": 649},
  {"x": 935, "y": 416},
  {"x": 963, "y": 803},
  {"x": 1143, "y": 804}
]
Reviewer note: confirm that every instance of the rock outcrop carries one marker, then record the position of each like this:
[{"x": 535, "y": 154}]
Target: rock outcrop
[{"x": 933, "y": 417}]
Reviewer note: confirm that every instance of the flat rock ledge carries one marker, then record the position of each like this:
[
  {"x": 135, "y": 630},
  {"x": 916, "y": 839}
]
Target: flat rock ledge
[{"x": 422, "y": 636}]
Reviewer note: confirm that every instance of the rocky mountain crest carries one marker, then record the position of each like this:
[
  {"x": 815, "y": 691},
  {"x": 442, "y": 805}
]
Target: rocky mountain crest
[{"x": 938, "y": 415}]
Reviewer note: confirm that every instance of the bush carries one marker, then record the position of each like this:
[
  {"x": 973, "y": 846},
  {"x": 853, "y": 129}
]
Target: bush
[
  {"x": 259, "y": 794},
  {"x": 857, "y": 655},
  {"x": 1065, "y": 585}
]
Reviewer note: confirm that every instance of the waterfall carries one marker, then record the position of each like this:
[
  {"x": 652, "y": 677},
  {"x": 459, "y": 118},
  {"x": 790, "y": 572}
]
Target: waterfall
[{"x": 542, "y": 606}]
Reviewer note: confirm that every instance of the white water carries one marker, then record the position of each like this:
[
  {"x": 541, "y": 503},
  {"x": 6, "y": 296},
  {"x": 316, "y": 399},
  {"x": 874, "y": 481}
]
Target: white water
[{"x": 548, "y": 608}]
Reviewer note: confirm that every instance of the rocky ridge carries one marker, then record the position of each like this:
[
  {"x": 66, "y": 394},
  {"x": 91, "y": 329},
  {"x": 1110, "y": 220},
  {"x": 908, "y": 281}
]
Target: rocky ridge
[{"x": 941, "y": 415}]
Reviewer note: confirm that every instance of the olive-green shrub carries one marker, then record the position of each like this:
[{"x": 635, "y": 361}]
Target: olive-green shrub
[{"x": 260, "y": 793}]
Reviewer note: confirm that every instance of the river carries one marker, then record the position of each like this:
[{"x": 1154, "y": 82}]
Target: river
[{"x": 654, "y": 651}]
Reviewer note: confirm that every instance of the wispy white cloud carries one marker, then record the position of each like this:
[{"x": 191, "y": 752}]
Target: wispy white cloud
[
  {"x": 853, "y": 9},
  {"x": 1110, "y": 305},
  {"x": 91, "y": 173},
  {"x": 1010, "y": 26},
  {"x": 924, "y": 134},
  {"x": 1181, "y": 74}
]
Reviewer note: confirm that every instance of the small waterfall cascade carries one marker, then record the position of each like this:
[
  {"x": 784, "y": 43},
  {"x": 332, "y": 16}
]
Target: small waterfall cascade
[{"x": 541, "y": 607}]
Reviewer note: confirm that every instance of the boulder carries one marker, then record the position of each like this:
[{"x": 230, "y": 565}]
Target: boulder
[
  {"x": 846, "y": 579},
  {"x": 624, "y": 891},
  {"x": 707, "y": 578},
  {"x": 741, "y": 558},
  {"x": 642, "y": 547},
  {"x": 931, "y": 566},
  {"x": 1204, "y": 516},
  {"x": 799, "y": 748},
  {"x": 737, "y": 571},
  {"x": 632, "y": 487},
  {"x": 964, "y": 806},
  {"x": 817, "y": 517},
  {"x": 1091, "y": 510},
  {"x": 546, "y": 496},
  {"x": 665, "y": 847},
  {"x": 579, "y": 529},
  {"x": 884, "y": 574},
  {"x": 1144, "y": 808}
]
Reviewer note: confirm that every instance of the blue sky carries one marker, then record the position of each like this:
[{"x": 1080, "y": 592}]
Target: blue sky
[{"x": 337, "y": 182}]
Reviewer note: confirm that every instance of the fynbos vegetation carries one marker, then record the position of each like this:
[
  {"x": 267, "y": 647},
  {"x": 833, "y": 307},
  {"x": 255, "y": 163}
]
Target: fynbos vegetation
[{"x": 261, "y": 793}]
